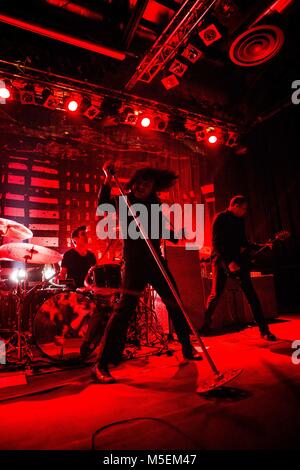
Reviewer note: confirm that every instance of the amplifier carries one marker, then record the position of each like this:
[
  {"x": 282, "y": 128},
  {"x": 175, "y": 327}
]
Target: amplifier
[{"x": 194, "y": 290}]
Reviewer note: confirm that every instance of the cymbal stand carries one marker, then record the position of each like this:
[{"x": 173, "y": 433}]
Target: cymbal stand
[{"x": 23, "y": 344}]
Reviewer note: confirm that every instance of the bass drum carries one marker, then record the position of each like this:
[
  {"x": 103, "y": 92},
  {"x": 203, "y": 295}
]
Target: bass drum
[{"x": 61, "y": 323}]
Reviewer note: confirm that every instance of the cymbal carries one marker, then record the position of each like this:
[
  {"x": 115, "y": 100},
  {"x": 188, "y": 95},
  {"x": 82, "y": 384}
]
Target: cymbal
[
  {"x": 34, "y": 254},
  {"x": 10, "y": 228}
]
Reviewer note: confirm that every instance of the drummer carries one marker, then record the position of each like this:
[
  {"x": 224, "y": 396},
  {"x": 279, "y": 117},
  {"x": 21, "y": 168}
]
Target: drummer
[{"x": 78, "y": 260}]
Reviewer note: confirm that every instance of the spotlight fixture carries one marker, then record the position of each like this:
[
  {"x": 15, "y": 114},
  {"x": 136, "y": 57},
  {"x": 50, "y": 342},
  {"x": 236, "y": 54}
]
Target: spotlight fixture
[
  {"x": 91, "y": 112},
  {"x": 27, "y": 95},
  {"x": 170, "y": 81},
  {"x": 212, "y": 135},
  {"x": 129, "y": 115},
  {"x": 91, "y": 106},
  {"x": 73, "y": 105},
  {"x": 4, "y": 91},
  {"x": 160, "y": 122},
  {"x": 212, "y": 139},
  {"x": 192, "y": 53},
  {"x": 210, "y": 34},
  {"x": 145, "y": 122},
  {"x": 73, "y": 102},
  {"x": 231, "y": 139},
  {"x": 178, "y": 68},
  {"x": 50, "y": 101},
  {"x": 200, "y": 133}
]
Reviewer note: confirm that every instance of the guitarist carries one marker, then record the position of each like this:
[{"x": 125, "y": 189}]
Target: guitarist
[{"x": 229, "y": 245}]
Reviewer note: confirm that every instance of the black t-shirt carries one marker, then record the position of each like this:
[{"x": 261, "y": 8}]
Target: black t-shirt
[
  {"x": 229, "y": 236},
  {"x": 77, "y": 265}
]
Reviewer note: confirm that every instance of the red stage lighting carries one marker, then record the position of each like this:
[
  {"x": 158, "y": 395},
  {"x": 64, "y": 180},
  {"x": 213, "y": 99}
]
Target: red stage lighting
[
  {"x": 4, "y": 92},
  {"x": 145, "y": 122},
  {"x": 212, "y": 139},
  {"x": 27, "y": 94},
  {"x": 210, "y": 34},
  {"x": 72, "y": 105}
]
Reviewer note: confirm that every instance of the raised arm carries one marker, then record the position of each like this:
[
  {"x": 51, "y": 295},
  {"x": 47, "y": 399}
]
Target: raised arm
[{"x": 104, "y": 194}]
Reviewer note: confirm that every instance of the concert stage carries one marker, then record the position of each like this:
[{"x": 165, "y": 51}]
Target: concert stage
[
  {"x": 148, "y": 191},
  {"x": 154, "y": 404}
]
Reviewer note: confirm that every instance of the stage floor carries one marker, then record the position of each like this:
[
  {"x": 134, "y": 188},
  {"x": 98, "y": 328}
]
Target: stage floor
[{"x": 259, "y": 410}]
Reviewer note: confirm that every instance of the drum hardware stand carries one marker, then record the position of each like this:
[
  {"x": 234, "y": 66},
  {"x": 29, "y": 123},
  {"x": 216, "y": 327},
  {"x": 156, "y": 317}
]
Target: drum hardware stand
[
  {"x": 24, "y": 344},
  {"x": 152, "y": 324},
  {"x": 145, "y": 324},
  {"x": 219, "y": 378}
]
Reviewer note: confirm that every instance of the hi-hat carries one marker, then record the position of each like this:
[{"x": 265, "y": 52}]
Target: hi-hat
[
  {"x": 26, "y": 252},
  {"x": 12, "y": 229}
]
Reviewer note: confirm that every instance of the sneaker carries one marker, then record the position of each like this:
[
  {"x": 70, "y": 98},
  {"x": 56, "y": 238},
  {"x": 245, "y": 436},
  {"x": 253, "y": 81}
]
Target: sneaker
[{"x": 102, "y": 375}]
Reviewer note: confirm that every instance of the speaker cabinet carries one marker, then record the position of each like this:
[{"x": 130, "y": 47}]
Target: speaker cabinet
[{"x": 194, "y": 290}]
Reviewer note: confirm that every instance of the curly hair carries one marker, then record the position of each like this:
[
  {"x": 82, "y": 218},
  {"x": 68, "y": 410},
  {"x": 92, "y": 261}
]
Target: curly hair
[{"x": 163, "y": 179}]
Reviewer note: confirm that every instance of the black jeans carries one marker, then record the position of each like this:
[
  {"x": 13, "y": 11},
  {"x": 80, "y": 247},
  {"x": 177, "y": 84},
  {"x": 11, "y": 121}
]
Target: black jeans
[
  {"x": 219, "y": 278},
  {"x": 136, "y": 275}
]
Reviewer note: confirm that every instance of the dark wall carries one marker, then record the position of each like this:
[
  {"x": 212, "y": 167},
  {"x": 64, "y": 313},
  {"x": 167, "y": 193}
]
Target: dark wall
[{"x": 269, "y": 176}]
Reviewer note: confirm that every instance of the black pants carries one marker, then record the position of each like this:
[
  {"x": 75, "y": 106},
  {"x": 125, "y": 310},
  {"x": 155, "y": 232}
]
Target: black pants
[
  {"x": 136, "y": 275},
  {"x": 219, "y": 278}
]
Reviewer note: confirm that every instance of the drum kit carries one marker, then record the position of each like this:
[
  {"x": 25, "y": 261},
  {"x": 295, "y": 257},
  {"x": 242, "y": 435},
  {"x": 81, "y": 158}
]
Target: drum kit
[
  {"x": 51, "y": 317},
  {"x": 55, "y": 319}
]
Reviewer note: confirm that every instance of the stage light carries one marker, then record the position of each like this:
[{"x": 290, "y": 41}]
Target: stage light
[
  {"x": 160, "y": 122},
  {"x": 72, "y": 102},
  {"x": 48, "y": 272},
  {"x": 4, "y": 92},
  {"x": 170, "y": 81},
  {"x": 210, "y": 34},
  {"x": 145, "y": 122},
  {"x": 27, "y": 94},
  {"x": 212, "y": 135},
  {"x": 192, "y": 53},
  {"x": 212, "y": 139},
  {"x": 129, "y": 115},
  {"x": 200, "y": 133},
  {"x": 91, "y": 112},
  {"x": 73, "y": 105},
  {"x": 17, "y": 275},
  {"x": 231, "y": 139},
  {"x": 178, "y": 68},
  {"x": 49, "y": 99}
]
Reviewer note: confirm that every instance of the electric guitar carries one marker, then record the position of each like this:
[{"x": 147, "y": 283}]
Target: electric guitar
[{"x": 249, "y": 255}]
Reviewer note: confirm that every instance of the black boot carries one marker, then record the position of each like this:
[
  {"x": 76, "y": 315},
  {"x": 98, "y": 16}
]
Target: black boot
[
  {"x": 190, "y": 353},
  {"x": 267, "y": 335},
  {"x": 101, "y": 374}
]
